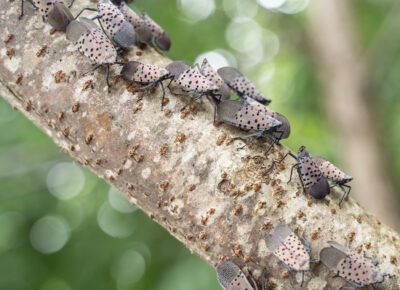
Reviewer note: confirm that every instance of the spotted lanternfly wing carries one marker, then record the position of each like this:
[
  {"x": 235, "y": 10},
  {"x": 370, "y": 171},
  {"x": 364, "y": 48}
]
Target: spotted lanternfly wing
[
  {"x": 331, "y": 172},
  {"x": 282, "y": 131},
  {"x": 209, "y": 73},
  {"x": 44, "y": 6},
  {"x": 309, "y": 171},
  {"x": 161, "y": 37},
  {"x": 241, "y": 85},
  {"x": 245, "y": 116},
  {"x": 313, "y": 181},
  {"x": 350, "y": 266},
  {"x": 114, "y": 22},
  {"x": 91, "y": 41},
  {"x": 230, "y": 277},
  {"x": 176, "y": 68},
  {"x": 142, "y": 73},
  {"x": 111, "y": 17},
  {"x": 59, "y": 16},
  {"x": 191, "y": 80},
  {"x": 143, "y": 32},
  {"x": 288, "y": 248}
]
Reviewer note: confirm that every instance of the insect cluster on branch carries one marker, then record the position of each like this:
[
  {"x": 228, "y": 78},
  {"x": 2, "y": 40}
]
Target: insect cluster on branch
[{"x": 120, "y": 27}]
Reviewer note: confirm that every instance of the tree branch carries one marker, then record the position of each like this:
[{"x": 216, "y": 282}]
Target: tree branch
[{"x": 182, "y": 171}]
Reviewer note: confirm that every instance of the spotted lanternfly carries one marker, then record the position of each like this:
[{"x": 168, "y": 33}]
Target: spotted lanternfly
[
  {"x": 119, "y": 2},
  {"x": 241, "y": 85},
  {"x": 144, "y": 35},
  {"x": 160, "y": 37},
  {"x": 280, "y": 132},
  {"x": 91, "y": 41},
  {"x": 359, "y": 271},
  {"x": 52, "y": 11},
  {"x": 208, "y": 72},
  {"x": 288, "y": 248},
  {"x": 335, "y": 175},
  {"x": 147, "y": 74},
  {"x": 246, "y": 117},
  {"x": 190, "y": 81},
  {"x": 311, "y": 178},
  {"x": 230, "y": 277},
  {"x": 114, "y": 23}
]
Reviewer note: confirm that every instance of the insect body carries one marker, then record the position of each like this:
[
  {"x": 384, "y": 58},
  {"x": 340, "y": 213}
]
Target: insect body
[
  {"x": 288, "y": 248},
  {"x": 144, "y": 34},
  {"x": 160, "y": 37},
  {"x": 190, "y": 81},
  {"x": 230, "y": 277},
  {"x": 241, "y": 85},
  {"x": 147, "y": 74},
  {"x": 246, "y": 117},
  {"x": 208, "y": 72},
  {"x": 147, "y": 30},
  {"x": 280, "y": 132},
  {"x": 114, "y": 23},
  {"x": 91, "y": 41},
  {"x": 52, "y": 11},
  {"x": 335, "y": 175},
  {"x": 358, "y": 270},
  {"x": 312, "y": 180}
]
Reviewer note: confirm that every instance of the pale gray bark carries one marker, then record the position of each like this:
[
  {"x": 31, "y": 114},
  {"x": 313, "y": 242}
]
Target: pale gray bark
[{"x": 218, "y": 201}]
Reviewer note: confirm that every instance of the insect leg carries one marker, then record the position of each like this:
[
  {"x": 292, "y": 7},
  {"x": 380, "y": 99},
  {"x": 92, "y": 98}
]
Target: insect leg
[
  {"x": 283, "y": 158},
  {"x": 274, "y": 140},
  {"x": 87, "y": 8},
  {"x": 253, "y": 280},
  {"x": 263, "y": 279},
  {"x": 91, "y": 70},
  {"x": 345, "y": 194},
  {"x": 194, "y": 99},
  {"x": 22, "y": 10},
  {"x": 291, "y": 171},
  {"x": 70, "y": 4},
  {"x": 163, "y": 95}
]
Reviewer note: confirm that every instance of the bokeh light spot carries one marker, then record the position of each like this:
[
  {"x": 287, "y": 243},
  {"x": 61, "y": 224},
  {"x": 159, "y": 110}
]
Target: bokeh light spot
[
  {"x": 195, "y": 10},
  {"x": 119, "y": 202},
  {"x": 49, "y": 234},
  {"x": 114, "y": 223},
  {"x": 271, "y": 4},
  {"x": 294, "y": 6},
  {"x": 217, "y": 58},
  {"x": 244, "y": 35},
  {"x": 128, "y": 269},
  {"x": 236, "y": 8},
  {"x": 285, "y": 6},
  {"x": 65, "y": 180}
]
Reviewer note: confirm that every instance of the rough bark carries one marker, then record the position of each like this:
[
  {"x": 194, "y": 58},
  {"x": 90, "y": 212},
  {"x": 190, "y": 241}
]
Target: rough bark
[
  {"x": 217, "y": 200},
  {"x": 345, "y": 77}
]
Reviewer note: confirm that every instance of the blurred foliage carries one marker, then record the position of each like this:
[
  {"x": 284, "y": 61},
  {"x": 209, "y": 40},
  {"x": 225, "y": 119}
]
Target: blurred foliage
[{"x": 136, "y": 253}]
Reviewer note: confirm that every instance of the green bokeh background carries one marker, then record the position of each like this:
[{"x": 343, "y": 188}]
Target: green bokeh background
[{"x": 91, "y": 258}]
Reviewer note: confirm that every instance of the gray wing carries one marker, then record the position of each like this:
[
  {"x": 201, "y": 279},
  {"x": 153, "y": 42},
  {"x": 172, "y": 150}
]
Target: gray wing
[
  {"x": 331, "y": 257},
  {"x": 230, "y": 277},
  {"x": 275, "y": 239},
  {"x": 74, "y": 30},
  {"x": 60, "y": 16}
]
